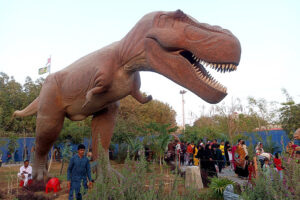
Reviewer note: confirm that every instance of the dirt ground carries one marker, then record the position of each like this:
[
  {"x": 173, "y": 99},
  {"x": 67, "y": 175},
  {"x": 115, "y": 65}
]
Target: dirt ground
[{"x": 9, "y": 188}]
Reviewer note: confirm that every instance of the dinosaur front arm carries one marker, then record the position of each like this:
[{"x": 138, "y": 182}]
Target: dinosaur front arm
[
  {"x": 136, "y": 93},
  {"x": 95, "y": 90}
]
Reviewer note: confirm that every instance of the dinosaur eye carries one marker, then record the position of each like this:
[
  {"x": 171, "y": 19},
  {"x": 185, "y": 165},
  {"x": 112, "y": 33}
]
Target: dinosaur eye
[{"x": 195, "y": 33}]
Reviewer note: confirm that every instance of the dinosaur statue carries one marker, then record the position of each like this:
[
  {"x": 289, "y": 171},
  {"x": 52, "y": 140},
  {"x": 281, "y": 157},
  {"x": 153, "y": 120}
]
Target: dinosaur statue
[{"x": 172, "y": 44}]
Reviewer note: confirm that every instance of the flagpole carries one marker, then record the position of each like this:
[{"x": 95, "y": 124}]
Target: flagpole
[
  {"x": 52, "y": 149},
  {"x": 50, "y": 65}
]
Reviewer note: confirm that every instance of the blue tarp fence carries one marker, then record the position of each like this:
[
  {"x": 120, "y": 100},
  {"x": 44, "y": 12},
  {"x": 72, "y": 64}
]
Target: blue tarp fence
[
  {"x": 279, "y": 137},
  {"x": 29, "y": 143}
]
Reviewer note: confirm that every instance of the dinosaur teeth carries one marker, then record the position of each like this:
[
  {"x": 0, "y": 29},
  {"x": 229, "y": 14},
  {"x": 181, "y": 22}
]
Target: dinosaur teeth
[{"x": 208, "y": 79}]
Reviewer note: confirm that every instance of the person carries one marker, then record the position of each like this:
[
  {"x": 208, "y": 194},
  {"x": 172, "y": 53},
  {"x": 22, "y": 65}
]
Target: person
[
  {"x": 243, "y": 171},
  {"x": 259, "y": 148},
  {"x": 8, "y": 156},
  {"x": 218, "y": 157},
  {"x": 189, "y": 152},
  {"x": 25, "y": 174},
  {"x": 239, "y": 160},
  {"x": 266, "y": 167},
  {"x": 170, "y": 153},
  {"x": 259, "y": 151},
  {"x": 233, "y": 149},
  {"x": 251, "y": 171},
  {"x": 291, "y": 148},
  {"x": 203, "y": 165},
  {"x": 32, "y": 152},
  {"x": 278, "y": 165},
  {"x": 297, "y": 158},
  {"x": 183, "y": 152},
  {"x": 78, "y": 171},
  {"x": 226, "y": 147},
  {"x": 245, "y": 147},
  {"x": 214, "y": 143},
  {"x": 177, "y": 151},
  {"x": 16, "y": 156},
  {"x": 195, "y": 159},
  {"x": 222, "y": 148},
  {"x": 210, "y": 164},
  {"x": 230, "y": 158}
]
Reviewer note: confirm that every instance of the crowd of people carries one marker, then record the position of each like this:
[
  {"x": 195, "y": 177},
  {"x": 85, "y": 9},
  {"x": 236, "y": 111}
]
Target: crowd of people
[{"x": 213, "y": 157}]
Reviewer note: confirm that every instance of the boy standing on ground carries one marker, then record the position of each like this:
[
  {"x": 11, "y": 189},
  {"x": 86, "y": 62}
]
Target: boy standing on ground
[{"x": 78, "y": 171}]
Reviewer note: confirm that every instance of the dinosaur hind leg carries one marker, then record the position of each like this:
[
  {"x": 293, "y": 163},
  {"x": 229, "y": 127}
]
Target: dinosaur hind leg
[
  {"x": 103, "y": 125},
  {"x": 47, "y": 131}
]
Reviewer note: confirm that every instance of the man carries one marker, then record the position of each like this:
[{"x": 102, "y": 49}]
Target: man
[
  {"x": 78, "y": 171},
  {"x": 214, "y": 143},
  {"x": 25, "y": 174},
  {"x": 218, "y": 157}
]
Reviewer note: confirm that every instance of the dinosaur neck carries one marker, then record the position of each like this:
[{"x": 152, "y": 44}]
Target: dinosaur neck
[{"x": 132, "y": 48}]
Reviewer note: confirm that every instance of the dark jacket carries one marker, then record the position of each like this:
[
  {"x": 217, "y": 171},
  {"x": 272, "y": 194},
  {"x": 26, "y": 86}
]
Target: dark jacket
[{"x": 79, "y": 169}]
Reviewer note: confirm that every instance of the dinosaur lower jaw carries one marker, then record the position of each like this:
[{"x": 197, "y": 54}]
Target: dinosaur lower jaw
[{"x": 199, "y": 69}]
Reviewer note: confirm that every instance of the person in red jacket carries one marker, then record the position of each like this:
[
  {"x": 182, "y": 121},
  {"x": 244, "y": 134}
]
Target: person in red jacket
[{"x": 278, "y": 164}]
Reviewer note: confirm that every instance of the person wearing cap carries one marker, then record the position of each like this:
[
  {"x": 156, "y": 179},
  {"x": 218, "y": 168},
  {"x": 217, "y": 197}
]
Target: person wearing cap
[
  {"x": 25, "y": 174},
  {"x": 78, "y": 171}
]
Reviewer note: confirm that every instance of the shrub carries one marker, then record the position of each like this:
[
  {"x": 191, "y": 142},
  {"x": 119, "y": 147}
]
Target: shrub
[
  {"x": 218, "y": 185},
  {"x": 272, "y": 187},
  {"x": 136, "y": 183}
]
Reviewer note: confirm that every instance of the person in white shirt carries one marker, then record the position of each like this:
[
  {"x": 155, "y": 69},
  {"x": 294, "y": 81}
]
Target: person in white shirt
[{"x": 25, "y": 174}]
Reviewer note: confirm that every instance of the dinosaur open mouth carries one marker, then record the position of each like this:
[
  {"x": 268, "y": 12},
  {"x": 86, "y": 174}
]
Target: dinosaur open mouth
[{"x": 198, "y": 66}]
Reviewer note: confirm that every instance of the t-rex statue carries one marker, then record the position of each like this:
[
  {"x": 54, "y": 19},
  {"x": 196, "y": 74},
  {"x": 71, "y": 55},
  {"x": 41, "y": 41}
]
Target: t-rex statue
[{"x": 172, "y": 44}]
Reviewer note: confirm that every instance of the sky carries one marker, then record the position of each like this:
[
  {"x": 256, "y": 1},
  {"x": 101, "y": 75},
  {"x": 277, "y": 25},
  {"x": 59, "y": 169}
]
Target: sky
[{"x": 269, "y": 31}]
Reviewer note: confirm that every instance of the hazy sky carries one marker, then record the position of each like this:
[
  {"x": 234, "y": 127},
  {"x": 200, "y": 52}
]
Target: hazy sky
[{"x": 269, "y": 33}]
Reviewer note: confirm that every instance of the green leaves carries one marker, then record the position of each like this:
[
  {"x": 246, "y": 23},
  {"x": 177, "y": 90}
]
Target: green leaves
[{"x": 14, "y": 96}]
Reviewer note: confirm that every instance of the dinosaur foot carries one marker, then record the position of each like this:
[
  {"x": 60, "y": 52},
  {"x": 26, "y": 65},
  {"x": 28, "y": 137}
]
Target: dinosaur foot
[{"x": 37, "y": 186}]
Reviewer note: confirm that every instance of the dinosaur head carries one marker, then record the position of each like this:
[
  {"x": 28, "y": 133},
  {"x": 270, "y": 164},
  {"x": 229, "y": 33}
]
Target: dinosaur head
[{"x": 182, "y": 49}]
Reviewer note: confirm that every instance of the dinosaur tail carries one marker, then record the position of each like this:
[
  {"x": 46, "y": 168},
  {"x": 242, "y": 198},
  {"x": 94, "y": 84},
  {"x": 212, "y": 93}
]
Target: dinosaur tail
[{"x": 29, "y": 110}]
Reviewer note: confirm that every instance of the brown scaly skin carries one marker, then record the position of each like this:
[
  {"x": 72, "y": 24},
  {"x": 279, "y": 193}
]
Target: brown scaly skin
[{"x": 169, "y": 43}]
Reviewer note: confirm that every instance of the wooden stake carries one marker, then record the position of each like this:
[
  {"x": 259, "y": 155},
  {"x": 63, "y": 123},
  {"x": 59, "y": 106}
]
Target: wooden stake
[{"x": 51, "y": 158}]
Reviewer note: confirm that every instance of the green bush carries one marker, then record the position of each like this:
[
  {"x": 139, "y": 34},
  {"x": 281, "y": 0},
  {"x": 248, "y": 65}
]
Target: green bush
[
  {"x": 218, "y": 185},
  {"x": 135, "y": 183},
  {"x": 272, "y": 187}
]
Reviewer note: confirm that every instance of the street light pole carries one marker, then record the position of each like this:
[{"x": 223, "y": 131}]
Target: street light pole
[{"x": 182, "y": 92}]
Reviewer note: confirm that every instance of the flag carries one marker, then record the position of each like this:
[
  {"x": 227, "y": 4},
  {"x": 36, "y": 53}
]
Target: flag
[{"x": 45, "y": 69}]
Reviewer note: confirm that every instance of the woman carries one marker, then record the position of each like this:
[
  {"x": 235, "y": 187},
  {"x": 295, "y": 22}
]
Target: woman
[
  {"x": 211, "y": 169},
  {"x": 259, "y": 148},
  {"x": 203, "y": 165},
  {"x": 239, "y": 159}
]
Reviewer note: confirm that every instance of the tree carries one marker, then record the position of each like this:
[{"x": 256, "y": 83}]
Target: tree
[
  {"x": 266, "y": 113},
  {"x": 289, "y": 115},
  {"x": 133, "y": 118},
  {"x": 13, "y": 143},
  {"x": 159, "y": 136}
]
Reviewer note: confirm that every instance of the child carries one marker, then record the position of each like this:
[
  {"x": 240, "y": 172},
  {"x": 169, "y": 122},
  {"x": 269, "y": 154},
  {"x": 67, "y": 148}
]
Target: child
[
  {"x": 278, "y": 165},
  {"x": 251, "y": 170},
  {"x": 230, "y": 158},
  {"x": 266, "y": 167}
]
